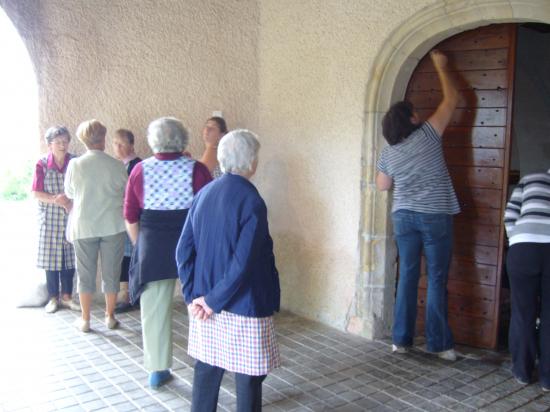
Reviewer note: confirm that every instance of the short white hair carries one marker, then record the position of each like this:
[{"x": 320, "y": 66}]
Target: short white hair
[
  {"x": 167, "y": 135},
  {"x": 237, "y": 151}
]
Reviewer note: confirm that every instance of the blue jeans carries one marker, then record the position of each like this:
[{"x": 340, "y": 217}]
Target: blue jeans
[
  {"x": 53, "y": 277},
  {"x": 432, "y": 233}
]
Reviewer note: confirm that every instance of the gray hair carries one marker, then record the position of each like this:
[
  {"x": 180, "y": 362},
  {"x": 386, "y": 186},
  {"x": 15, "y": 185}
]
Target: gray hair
[
  {"x": 167, "y": 135},
  {"x": 54, "y": 132},
  {"x": 237, "y": 151}
]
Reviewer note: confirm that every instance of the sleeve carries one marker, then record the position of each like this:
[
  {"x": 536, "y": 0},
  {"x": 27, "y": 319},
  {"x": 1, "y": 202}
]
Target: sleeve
[
  {"x": 133, "y": 197},
  {"x": 249, "y": 243},
  {"x": 185, "y": 258},
  {"x": 513, "y": 208},
  {"x": 38, "y": 179},
  {"x": 431, "y": 133},
  {"x": 381, "y": 164},
  {"x": 201, "y": 177},
  {"x": 69, "y": 188}
]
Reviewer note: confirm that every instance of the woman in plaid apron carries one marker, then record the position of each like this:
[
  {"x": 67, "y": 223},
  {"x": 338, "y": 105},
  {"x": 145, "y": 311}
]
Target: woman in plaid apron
[
  {"x": 55, "y": 254},
  {"x": 229, "y": 280}
]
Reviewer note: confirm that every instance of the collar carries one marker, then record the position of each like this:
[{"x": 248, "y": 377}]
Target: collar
[
  {"x": 128, "y": 159},
  {"x": 168, "y": 156},
  {"x": 52, "y": 165}
]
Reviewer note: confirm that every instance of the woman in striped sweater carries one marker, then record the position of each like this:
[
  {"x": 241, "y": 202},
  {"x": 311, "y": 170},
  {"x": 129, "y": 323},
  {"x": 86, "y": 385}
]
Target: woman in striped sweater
[{"x": 527, "y": 221}]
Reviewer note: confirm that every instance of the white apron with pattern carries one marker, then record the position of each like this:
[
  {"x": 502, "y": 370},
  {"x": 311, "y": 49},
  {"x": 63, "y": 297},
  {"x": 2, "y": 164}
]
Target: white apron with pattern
[
  {"x": 52, "y": 221},
  {"x": 239, "y": 344}
]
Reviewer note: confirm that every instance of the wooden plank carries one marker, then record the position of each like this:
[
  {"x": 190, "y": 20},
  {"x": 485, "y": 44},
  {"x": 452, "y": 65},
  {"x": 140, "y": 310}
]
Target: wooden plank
[
  {"x": 486, "y": 235},
  {"x": 480, "y": 177},
  {"x": 463, "y": 305},
  {"x": 468, "y": 156},
  {"x": 475, "y": 79},
  {"x": 466, "y": 289},
  {"x": 472, "y": 272},
  {"x": 478, "y": 198},
  {"x": 489, "y": 37},
  {"x": 467, "y": 330},
  {"x": 476, "y": 216},
  {"x": 460, "y": 60},
  {"x": 490, "y": 137},
  {"x": 476, "y": 253},
  {"x": 430, "y": 99},
  {"x": 472, "y": 117}
]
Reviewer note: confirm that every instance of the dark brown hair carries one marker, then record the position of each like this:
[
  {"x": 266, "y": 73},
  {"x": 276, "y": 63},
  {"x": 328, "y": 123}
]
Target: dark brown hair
[{"x": 397, "y": 124}]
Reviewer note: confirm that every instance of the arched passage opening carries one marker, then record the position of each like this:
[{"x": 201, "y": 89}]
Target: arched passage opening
[
  {"x": 372, "y": 312},
  {"x": 19, "y": 120}
]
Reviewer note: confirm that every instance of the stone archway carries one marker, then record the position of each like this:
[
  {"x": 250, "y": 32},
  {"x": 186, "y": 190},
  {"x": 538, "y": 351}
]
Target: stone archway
[{"x": 372, "y": 310}]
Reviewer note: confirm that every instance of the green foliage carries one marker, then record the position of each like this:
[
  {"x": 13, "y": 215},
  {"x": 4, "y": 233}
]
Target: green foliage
[{"x": 15, "y": 183}]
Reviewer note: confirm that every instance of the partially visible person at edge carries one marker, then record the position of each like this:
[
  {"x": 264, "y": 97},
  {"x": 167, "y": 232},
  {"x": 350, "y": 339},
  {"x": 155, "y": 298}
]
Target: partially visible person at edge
[
  {"x": 214, "y": 129},
  {"x": 158, "y": 196},
  {"x": 55, "y": 253},
  {"x": 527, "y": 221},
  {"x": 123, "y": 143},
  {"x": 424, "y": 202},
  {"x": 96, "y": 182},
  {"x": 229, "y": 280}
]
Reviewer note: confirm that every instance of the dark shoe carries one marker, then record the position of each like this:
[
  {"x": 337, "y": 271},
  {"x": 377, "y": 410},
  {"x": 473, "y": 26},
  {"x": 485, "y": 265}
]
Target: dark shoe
[
  {"x": 123, "y": 307},
  {"x": 159, "y": 378}
]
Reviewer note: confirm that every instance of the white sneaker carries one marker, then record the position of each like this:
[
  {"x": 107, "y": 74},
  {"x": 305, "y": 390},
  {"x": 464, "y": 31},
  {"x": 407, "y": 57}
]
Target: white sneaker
[
  {"x": 52, "y": 306},
  {"x": 69, "y": 304},
  {"x": 399, "y": 349},
  {"x": 82, "y": 325},
  {"x": 111, "y": 322},
  {"x": 448, "y": 355}
]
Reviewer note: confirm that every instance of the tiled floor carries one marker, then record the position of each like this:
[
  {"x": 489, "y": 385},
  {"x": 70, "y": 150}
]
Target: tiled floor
[{"x": 47, "y": 365}]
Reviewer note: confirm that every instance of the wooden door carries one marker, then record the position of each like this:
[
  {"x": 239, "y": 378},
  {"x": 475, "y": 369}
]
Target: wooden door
[{"x": 476, "y": 146}]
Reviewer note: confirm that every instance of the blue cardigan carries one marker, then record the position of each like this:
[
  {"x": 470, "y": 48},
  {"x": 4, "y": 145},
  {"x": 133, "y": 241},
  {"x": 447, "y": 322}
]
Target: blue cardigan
[{"x": 225, "y": 252}]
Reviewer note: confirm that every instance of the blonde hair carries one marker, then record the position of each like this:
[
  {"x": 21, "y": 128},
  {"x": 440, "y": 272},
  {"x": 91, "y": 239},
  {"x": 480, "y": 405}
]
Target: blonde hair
[{"x": 91, "y": 133}]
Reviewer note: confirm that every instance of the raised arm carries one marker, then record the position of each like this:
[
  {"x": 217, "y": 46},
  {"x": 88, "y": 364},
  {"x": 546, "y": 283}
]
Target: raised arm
[{"x": 442, "y": 116}]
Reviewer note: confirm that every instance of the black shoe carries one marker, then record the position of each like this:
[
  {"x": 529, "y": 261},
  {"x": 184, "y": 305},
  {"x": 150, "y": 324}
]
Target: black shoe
[{"x": 123, "y": 307}]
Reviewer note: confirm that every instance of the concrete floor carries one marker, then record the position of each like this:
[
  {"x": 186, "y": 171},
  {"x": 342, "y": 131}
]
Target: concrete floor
[{"x": 47, "y": 365}]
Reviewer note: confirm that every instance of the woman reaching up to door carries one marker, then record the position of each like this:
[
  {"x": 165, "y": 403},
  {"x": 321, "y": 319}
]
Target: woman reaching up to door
[
  {"x": 527, "y": 221},
  {"x": 424, "y": 202}
]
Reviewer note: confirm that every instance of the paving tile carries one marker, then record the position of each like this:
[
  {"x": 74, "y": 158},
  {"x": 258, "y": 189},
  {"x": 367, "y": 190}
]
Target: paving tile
[{"x": 323, "y": 370}]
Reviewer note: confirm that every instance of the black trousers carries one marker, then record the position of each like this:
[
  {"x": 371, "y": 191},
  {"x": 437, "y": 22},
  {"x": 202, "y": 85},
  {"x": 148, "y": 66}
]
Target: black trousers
[
  {"x": 528, "y": 266},
  {"x": 125, "y": 267},
  {"x": 206, "y": 388}
]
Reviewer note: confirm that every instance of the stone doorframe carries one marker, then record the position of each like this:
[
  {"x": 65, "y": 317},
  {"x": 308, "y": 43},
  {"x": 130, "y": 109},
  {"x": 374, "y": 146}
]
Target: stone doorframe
[{"x": 371, "y": 313}]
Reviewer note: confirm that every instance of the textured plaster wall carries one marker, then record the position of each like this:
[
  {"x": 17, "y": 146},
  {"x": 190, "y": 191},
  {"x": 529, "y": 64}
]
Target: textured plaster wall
[
  {"x": 315, "y": 59},
  {"x": 129, "y": 62}
]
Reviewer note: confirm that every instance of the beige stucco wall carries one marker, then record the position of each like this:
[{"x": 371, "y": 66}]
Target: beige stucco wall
[
  {"x": 129, "y": 62},
  {"x": 315, "y": 61}
]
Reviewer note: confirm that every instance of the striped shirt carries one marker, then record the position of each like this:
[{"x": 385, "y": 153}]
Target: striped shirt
[
  {"x": 420, "y": 176},
  {"x": 527, "y": 215}
]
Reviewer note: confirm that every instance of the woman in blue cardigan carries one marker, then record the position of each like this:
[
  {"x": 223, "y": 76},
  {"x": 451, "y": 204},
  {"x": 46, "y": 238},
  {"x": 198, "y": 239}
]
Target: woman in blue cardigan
[{"x": 229, "y": 280}]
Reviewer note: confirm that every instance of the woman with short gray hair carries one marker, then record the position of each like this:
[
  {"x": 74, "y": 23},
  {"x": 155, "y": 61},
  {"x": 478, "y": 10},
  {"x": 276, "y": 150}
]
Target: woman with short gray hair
[
  {"x": 229, "y": 280},
  {"x": 55, "y": 253},
  {"x": 158, "y": 196}
]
